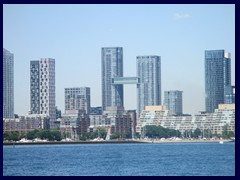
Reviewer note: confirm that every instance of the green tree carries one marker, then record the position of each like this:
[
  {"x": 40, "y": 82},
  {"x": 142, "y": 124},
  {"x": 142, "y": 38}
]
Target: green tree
[{"x": 197, "y": 132}]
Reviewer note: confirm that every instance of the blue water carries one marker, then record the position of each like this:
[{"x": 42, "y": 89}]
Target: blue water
[{"x": 164, "y": 159}]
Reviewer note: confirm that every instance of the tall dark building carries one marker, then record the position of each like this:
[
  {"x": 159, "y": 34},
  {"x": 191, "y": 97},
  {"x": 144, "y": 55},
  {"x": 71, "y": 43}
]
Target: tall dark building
[
  {"x": 217, "y": 77},
  {"x": 112, "y": 66}
]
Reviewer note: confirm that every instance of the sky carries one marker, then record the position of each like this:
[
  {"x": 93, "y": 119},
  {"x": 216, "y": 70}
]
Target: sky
[{"x": 74, "y": 34}]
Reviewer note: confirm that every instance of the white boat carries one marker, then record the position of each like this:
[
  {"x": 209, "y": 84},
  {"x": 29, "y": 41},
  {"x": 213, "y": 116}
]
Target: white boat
[{"x": 221, "y": 142}]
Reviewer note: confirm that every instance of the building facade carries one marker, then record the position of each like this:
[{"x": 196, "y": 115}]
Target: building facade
[
  {"x": 229, "y": 96},
  {"x": 149, "y": 86},
  {"x": 42, "y": 88},
  {"x": 217, "y": 77},
  {"x": 74, "y": 123},
  {"x": 26, "y": 123},
  {"x": 214, "y": 122},
  {"x": 78, "y": 99},
  {"x": 112, "y": 66},
  {"x": 173, "y": 100},
  {"x": 8, "y": 84}
]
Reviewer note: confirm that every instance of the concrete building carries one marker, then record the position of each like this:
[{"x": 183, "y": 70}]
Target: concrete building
[
  {"x": 78, "y": 99},
  {"x": 214, "y": 122},
  {"x": 8, "y": 84},
  {"x": 74, "y": 123},
  {"x": 23, "y": 124},
  {"x": 173, "y": 100},
  {"x": 42, "y": 88},
  {"x": 217, "y": 77},
  {"x": 115, "y": 118},
  {"x": 149, "y": 86},
  {"x": 112, "y": 66}
]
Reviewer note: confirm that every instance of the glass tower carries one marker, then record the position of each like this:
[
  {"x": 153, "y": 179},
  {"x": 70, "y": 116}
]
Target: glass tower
[
  {"x": 8, "y": 84},
  {"x": 112, "y": 66},
  {"x": 217, "y": 77},
  {"x": 149, "y": 87},
  {"x": 173, "y": 100}
]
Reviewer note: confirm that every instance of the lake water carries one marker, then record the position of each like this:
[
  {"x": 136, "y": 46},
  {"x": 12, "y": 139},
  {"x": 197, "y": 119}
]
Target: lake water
[{"x": 163, "y": 159}]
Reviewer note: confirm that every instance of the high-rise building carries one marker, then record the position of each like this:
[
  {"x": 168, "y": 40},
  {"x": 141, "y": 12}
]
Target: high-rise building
[
  {"x": 173, "y": 100},
  {"x": 217, "y": 77},
  {"x": 229, "y": 96},
  {"x": 112, "y": 66},
  {"x": 8, "y": 84},
  {"x": 149, "y": 86},
  {"x": 42, "y": 87},
  {"x": 78, "y": 99}
]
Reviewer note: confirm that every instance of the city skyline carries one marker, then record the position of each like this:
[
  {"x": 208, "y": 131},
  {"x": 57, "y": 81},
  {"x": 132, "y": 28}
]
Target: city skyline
[{"x": 178, "y": 33}]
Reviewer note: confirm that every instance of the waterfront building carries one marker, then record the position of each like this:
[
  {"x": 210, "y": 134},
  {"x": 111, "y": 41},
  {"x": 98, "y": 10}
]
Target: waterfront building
[
  {"x": 42, "y": 88},
  {"x": 23, "y": 124},
  {"x": 217, "y": 77},
  {"x": 8, "y": 84},
  {"x": 149, "y": 86},
  {"x": 115, "y": 118},
  {"x": 112, "y": 66},
  {"x": 214, "y": 122},
  {"x": 78, "y": 98},
  {"x": 74, "y": 123},
  {"x": 173, "y": 100},
  {"x": 229, "y": 96}
]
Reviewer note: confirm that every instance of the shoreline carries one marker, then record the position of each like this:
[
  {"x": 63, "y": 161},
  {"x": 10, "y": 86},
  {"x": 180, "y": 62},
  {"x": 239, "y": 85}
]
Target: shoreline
[{"x": 113, "y": 142}]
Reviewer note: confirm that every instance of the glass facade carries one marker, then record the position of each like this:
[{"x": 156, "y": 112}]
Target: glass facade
[
  {"x": 173, "y": 100},
  {"x": 112, "y": 66},
  {"x": 217, "y": 77},
  {"x": 149, "y": 87},
  {"x": 8, "y": 84}
]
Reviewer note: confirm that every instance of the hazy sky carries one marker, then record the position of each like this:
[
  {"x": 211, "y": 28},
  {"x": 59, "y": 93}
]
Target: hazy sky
[{"x": 74, "y": 34}]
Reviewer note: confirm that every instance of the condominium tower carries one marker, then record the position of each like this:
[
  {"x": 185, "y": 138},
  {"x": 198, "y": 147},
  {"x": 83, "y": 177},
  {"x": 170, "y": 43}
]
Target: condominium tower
[
  {"x": 42, "y": 88},
  {"x": 173, "y": 100},
  {"x": 217, "y": 77},
  {"x": 8, "y": 84},
  {"x": 149, "y": 86},
  {"x": 112, "y": 66},
  {"x": 78, "y": 99}
]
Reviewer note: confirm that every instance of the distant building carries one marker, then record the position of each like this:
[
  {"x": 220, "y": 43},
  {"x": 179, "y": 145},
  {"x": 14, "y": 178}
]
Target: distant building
[
  {"x": 213, "y": 122},
  {"x": 8, "y": 84},
  {"x": 74, "y": 123},
  {"x": 96, "y": 110},
  {"x": 173, "y": 100},
  {"x": 26, "y": 123},
  {"x": 217, "y": 77},
  {"x": 229, "y": 96},
  {"x": 149, "y": 86},
  {"x": 78, "y": 99},
  {"x": 42, "y": 88},
  {"x": 115, "y": 118},
  {"x": 112, "y": 66}
]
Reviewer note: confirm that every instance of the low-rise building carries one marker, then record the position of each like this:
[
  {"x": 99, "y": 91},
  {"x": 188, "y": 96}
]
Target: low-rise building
[
  {"x": 215, "y": 122},
  {"x": 74, "y": 123},
  {"x": 26, "y": 123}
]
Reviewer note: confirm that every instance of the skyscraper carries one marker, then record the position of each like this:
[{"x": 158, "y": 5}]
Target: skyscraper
[
  {"x": 173, "y": 100},
  {"x": 217, "y": 77},
  {"x": 112, "y": 66},
  {"x": 42, "y": 88},
  {"x": 8, "y": 84},
  {"x": 78, "y": 99},
  {"x": 149, "y": 87}
]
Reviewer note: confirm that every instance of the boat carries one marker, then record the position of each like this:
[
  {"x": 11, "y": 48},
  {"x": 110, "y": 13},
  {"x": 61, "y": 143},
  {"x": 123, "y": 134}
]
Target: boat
[{"x": 220, "y": 142}]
